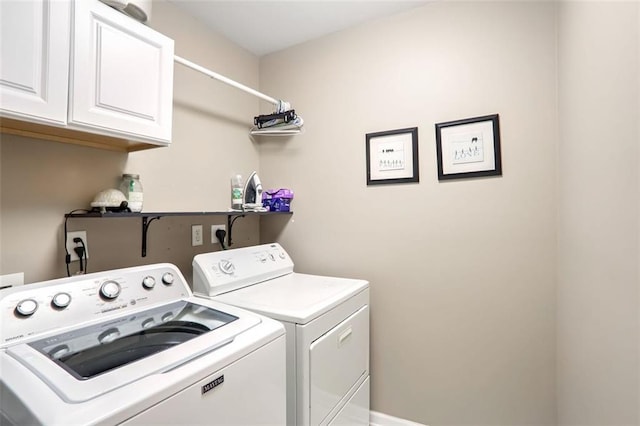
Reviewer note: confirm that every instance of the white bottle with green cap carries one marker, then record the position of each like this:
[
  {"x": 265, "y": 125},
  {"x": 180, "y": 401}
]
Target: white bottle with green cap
[
  {"x": 132, "y": 189},
  {"x": 236, "y": 192}
]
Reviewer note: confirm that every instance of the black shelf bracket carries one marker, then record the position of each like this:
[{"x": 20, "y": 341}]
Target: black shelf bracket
[
  {"x": 145, "y": 228},
  {"x": 231, "y": 219}
]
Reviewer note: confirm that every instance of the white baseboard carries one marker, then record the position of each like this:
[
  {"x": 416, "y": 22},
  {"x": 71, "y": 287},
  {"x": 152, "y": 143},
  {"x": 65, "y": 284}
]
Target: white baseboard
[{"x": 381, "y": 419}]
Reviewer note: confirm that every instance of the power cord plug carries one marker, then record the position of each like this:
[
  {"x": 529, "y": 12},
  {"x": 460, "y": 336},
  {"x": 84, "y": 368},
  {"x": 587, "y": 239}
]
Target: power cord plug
[
  {"x": 81, "y": 252},
  {"x": 220, "y": 235},
  {"x": 67, "y": 255}
]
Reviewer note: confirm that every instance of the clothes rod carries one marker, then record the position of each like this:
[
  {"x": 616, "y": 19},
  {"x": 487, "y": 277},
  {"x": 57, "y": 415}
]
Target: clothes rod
[{"x": 226, "y": 80}]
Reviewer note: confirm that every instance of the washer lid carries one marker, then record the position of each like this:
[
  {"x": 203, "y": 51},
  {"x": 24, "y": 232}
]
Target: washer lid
[
  {"x": 296, "y": 298},
  {"x": 91, "y": 360}
]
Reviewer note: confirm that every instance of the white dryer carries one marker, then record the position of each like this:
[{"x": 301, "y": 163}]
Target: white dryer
[
  {"x": 134, "y": 346},
  {"x": 326, "y": 321}
]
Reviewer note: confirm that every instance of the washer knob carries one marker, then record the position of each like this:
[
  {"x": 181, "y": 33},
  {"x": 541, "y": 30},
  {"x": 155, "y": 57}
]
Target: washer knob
[
  {"x": 26, "y": 307},
  {"x": 227, "y": 266},
  {"x": 148, "y": 282},
  {"x": 61, "y": 300},
  {"x": 110, "y": 290},
  {"x": 167, "y": 278}
]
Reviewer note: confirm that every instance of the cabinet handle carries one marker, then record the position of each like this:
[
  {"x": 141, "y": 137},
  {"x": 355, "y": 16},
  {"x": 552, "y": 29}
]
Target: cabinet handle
[{"x": 344, "y": 335}]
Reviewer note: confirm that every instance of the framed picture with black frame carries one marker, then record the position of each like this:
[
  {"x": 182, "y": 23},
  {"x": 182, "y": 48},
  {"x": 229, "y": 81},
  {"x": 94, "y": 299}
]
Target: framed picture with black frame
[
  {"x": 469, "y": 148},
  {"x": 392, "y": 156}
]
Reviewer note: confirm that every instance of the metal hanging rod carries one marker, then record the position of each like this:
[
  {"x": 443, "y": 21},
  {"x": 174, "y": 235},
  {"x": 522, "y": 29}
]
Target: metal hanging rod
[{"x": 226, "y": 80}]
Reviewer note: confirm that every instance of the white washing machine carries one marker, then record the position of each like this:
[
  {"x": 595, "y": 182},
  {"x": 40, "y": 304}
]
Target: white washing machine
[
  {"x": 134, "y": 346},
  {"x": 326, "y": 321}
]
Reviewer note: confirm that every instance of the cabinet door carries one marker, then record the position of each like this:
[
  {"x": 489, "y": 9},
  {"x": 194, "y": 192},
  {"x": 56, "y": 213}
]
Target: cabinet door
[
  {"x": 34, "y": 63},
  {"x": 121, "y": 75}
]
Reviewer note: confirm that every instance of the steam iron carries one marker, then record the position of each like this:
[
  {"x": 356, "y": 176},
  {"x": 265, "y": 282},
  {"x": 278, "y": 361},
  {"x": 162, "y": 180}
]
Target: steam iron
[{"x": 253, "y": 194}]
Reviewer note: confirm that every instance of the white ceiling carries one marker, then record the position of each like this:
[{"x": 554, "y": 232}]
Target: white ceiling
[{"x": 267, "y": 26}]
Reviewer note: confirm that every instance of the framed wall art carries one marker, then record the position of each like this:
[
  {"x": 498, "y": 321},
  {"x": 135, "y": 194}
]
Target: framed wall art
[
  {"x": 469, "y": 148},
  {"x": 392, "y": 156}
]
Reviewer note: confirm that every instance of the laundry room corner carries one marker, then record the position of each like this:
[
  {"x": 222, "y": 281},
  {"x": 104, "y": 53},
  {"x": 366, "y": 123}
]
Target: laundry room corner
[
  {"x": 43, "y": 179},
  {"x": 211, "y": 123}
]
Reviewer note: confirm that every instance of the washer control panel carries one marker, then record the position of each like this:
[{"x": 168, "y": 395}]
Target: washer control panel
[
  {"x": 222, "y": 271},
  {"x": 32, "y": 309}
]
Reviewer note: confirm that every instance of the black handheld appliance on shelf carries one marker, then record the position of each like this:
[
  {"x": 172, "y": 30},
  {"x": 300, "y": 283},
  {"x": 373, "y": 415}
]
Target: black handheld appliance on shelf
[{"x": 282, "y": 117}]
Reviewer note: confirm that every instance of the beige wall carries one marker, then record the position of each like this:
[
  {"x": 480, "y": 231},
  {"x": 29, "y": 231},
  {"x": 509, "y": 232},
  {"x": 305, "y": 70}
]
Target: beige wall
[
  {"x": 41, "y": 180},
  {"x": 598, "y": 297},
  {"x": 462, "y": 273}
]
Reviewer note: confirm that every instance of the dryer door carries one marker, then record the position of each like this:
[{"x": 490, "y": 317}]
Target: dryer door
[{"x": 338, "y": 362}]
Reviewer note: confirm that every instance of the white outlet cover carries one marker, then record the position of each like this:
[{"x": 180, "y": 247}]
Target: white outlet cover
[
  {"x": 12, "y": 280},
  {"x": 70, "y": 244},
  {"x": 196, "y": 235}
]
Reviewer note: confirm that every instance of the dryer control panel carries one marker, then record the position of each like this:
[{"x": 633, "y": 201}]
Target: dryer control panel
[
  {"x": 33, "y": 309},
  {"x": 223, "y": 271}
]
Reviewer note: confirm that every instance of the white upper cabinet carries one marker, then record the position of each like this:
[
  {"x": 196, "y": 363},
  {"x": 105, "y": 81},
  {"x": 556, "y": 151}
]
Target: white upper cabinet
[
  {"x": 79, "y": 71},
  {"x": 34, "y": 67},
  {"x": 121, "y": 74}
]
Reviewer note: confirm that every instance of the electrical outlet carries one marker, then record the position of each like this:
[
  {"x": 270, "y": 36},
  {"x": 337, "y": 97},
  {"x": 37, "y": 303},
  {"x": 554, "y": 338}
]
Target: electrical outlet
[
  {"x": 71, "y": 245},
  {"x": 196, "y": 235},
  {"x": 214, "y": 228}
]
